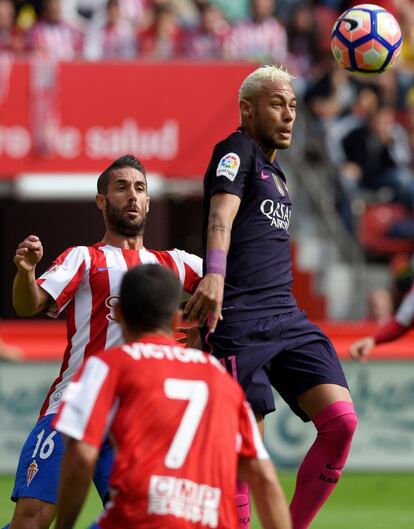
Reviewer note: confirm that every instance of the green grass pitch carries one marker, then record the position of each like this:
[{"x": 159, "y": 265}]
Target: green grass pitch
[{"x": 361, "y": 501}]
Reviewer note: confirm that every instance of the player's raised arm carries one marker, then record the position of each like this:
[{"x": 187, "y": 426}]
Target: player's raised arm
[
  {"x": 269, "y": 498},
  {"x": 388, "y": 332},
  {"x": 207, "y": 300},
  {"x": 28, "y": 297},
  {"x": 76, "y": 476}
]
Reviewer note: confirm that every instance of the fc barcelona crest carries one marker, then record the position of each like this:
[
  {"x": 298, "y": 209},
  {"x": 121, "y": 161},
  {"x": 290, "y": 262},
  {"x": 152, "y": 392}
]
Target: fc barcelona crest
[
  {"x": 278, "y": 184},
  {"x": 32, "y": 471}
]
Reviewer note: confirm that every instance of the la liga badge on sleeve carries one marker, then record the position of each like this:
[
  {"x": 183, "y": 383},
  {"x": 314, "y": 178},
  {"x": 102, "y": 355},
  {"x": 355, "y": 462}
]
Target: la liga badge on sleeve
[{"x": 229, "y": 166}]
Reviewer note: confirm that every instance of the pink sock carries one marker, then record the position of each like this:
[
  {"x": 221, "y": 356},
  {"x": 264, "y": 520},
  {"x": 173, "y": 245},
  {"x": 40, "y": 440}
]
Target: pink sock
[
  {"x": 243, "y": 505},
  {"x": 323, "y": 464}
]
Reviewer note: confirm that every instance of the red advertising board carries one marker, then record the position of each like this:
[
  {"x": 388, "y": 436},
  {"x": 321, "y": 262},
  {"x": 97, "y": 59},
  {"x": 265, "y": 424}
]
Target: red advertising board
[{"x": 78, "y": 117}]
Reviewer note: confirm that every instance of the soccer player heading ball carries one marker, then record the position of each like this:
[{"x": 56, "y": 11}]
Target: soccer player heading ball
[{"x": 255, "y": 327}]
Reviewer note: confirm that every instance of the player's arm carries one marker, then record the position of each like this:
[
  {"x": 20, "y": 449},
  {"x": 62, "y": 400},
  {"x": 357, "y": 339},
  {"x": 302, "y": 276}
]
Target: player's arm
[
  {"x": 77, "y": 470},
  {"x": 388, "y": 332},
  {"x": 270, "y": 501},
  {"x": 28, "y": 297},
  {"x": 207, "y": 300}
]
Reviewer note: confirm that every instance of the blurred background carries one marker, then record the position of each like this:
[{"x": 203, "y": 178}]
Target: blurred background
[{"x": 85, "y": 81}]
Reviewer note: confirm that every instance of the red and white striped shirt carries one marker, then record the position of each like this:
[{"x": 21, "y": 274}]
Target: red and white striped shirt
[
  {"x": 85, "y": 280},
  {"x": 177, "y": 421}
]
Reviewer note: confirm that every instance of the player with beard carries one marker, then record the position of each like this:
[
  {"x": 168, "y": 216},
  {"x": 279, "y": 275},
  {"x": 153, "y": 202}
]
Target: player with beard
[
  {"x": 84, "y": 281},
  {"x": 256, "y": 327}
]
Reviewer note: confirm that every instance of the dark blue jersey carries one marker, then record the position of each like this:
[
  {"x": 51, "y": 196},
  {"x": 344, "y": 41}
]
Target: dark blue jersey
[{"x": 259, "y": 277}]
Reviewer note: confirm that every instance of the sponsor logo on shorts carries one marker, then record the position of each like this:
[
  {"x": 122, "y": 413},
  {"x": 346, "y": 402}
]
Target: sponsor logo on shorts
[
  {"x": 229, "y": 166},
  {"x": 32, "y": 471}
]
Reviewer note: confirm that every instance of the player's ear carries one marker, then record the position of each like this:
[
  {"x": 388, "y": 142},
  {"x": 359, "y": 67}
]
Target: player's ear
[
  {"x": 100, "y": 201},
  {"x": 148, "y": 204},
  {"x": 245, "y": 108}
]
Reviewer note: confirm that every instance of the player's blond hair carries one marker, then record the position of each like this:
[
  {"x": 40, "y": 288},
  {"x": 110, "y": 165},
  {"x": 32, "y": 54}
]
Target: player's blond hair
[{"x": 254, "y": 81}]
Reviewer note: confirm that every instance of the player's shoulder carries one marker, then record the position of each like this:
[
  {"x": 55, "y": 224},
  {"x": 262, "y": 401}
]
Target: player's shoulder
[
  {"x": 183, "y": 254},
  {"x": 237, "y": 140}
]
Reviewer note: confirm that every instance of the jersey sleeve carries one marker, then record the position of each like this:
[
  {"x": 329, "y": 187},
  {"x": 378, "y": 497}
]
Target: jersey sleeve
[
  {"x": 89, "y": 403},
  {"x": 190, "y": 270},
  {"x": 63, "y": 278},
  {"x": 249, "y": 442},
  {"x": 230, "y": 164},
  {"x": 405, "y": 313}
]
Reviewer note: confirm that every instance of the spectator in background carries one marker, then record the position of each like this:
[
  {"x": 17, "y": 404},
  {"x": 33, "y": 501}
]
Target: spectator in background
[
  {"x": 206, "y": 40},
  {"x": 164, "y": 38},
  {"x": 51, "y": 36},
  {"x": 329, "y": 95},
  {"x": 303, "y": 41},
  {"x": 380, "y": 305},
  {"x": 380, "y": 156},
  {"x": 11, "y": 38},
  {"x": 391, "y": 330},
  {"x": 234, "y": 10},
  {"x": 114, "y": 39},
  {"x": 259, "y": 38}
]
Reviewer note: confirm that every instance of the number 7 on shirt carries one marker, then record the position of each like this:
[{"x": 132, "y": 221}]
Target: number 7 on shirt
[{"x": 196, "y": 393}]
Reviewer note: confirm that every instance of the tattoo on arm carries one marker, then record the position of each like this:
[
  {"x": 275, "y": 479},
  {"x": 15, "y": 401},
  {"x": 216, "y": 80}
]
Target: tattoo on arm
[{"x": 220, "y": 227}]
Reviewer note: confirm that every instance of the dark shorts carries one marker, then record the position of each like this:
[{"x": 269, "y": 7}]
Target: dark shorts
[
  {"x": 38, "y": 471},
  {"x": 285, "y": 351}
]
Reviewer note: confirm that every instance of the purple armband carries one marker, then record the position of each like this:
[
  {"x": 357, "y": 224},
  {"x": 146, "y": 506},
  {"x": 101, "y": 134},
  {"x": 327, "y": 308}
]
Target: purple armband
[{"x": 216, "y": 261}]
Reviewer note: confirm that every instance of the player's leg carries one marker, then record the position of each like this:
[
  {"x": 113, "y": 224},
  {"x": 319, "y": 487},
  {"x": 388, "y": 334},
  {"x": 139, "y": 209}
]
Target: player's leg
[
  {"x": 32, "y": 514},
  {"x": 243, "y": 349},
  {"x": 103, "y": 471},
  {"x": 332, "y": 412},
  {"x": 37, "y": 476},
  {"x": 308, "y": 375}
]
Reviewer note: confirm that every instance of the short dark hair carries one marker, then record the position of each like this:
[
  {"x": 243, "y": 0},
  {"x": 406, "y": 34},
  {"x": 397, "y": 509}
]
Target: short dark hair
[
  {"x": 128, "y": 160},
  {"x": 149, "y": 296}
]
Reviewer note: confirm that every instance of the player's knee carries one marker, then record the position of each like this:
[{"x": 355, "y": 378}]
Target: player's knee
[
  {"x": 341, "y": 428},
  {"x": 32, "y": 514}
]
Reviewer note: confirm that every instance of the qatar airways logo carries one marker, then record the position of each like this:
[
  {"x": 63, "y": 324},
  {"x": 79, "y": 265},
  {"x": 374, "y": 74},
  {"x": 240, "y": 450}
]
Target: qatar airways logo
[{"x": 278, "y": 213}]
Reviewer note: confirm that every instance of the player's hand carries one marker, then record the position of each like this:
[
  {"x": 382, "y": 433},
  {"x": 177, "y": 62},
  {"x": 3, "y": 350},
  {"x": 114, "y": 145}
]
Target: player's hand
[
  {"x": 28, "y": 253},
  {"x": 206, "y": 302},
  {"x": 191, "y": 336},
  {"x": 360, "y": 349}
]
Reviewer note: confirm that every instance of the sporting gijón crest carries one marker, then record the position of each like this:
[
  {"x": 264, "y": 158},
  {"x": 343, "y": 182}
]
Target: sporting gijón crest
[{"x": 32, "y": 470}]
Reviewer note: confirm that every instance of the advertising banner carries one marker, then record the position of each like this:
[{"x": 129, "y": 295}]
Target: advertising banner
[
  {"x": 383, "y": 393},
  {"x": 77, "y": 117}
]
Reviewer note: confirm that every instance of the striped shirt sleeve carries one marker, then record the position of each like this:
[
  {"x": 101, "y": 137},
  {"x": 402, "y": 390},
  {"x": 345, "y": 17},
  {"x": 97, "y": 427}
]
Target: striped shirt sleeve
[
  {"x": 63, "y": 278},
  {"x": 89, "y": 403},
  {"x": 190, "y": 269}
]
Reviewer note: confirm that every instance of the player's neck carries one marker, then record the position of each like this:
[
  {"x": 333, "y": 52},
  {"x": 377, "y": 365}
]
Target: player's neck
[
  {"x": 121, "y": 241},
  {"x": 133, "y": 336},
  {"x": 269, "y": 152}
]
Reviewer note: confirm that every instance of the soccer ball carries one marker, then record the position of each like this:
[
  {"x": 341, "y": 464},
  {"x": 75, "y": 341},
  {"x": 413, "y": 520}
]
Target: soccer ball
[{"x": 366, "y": 39}]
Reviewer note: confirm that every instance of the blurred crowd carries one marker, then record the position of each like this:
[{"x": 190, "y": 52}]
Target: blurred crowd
[{"x": 363, "y": 127}]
